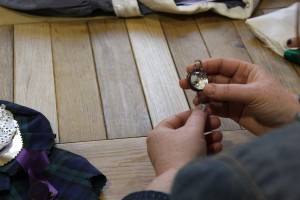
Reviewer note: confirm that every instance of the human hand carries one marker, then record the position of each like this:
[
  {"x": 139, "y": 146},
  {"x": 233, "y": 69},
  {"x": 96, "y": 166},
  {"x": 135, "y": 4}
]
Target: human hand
[
  {"x": 247, "y": 94},
  {"x": 179, "y": 139},
  {"x": 293, "y": 42},
  {"x": 293, "y": 54}
]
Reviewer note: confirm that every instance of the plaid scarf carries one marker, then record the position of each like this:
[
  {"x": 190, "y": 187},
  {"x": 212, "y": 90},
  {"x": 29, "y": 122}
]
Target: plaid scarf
[{"x": 72, "y": 175}]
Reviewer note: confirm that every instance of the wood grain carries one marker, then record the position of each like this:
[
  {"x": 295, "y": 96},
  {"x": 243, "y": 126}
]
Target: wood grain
[
  {"x": 280, "y": 68},
  {"x": 185, "y": 43},
  {"x": 156, "y": 68},
  {"x": 151, "y": 55},
  {"x": 77, "y": 93},
  {"x": 34, "y": 81},
  {"x": 276, "y": 3},
  {"x": 126, "y": 164},
  {"x": 124, "y": 105},
  {"x": 6, "y": 63},
  {"x": 123, "y": 161},
  {"x": 222, "y": 40}
]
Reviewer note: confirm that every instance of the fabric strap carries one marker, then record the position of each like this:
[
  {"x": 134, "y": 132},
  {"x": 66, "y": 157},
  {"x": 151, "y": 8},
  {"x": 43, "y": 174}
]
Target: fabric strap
[{"x": 34, "y": 162}]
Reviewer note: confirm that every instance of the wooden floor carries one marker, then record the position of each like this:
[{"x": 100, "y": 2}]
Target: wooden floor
[{"x": 104, "y": 82}]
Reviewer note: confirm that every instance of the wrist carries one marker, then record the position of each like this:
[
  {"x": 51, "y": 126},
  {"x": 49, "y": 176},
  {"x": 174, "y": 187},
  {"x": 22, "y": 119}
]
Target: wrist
[{"x": 163, "y": 182}]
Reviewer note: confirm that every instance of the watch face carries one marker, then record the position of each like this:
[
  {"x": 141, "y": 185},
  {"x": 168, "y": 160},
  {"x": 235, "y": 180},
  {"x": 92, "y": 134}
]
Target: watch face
[{"x": 197, "y": 80}]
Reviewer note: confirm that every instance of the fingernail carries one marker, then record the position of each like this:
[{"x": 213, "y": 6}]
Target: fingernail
[
  {"x": 202, "y": 107},
  {"x": 209, "y": 89},
  {"x": 289, "y": 42}
]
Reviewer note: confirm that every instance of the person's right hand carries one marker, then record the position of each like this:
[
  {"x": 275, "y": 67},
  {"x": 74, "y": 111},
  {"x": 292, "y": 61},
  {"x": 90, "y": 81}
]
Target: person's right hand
[
  {"x": 247, "y": 94},
  {"x": 293, "y": 42}
]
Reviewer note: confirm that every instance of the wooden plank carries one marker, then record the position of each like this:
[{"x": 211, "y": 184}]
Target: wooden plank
[
  {"x": 222, "y": 40},
  {"x": 78, "y": 99},
  {"x": 280, "y": 68},
  {"x": 126, "y": 164},
  {"x": 6, "y": 63},
  {"x": 8, "y": 16},
  {"x": 123, "y": 161},
  {"x": 124, "y": 105},
  {"x": 185, "y": 43},
  {"x": 270, "y": 4},
  {"x": 156, "y": 67},
  {"x": 34, "y": 81}
]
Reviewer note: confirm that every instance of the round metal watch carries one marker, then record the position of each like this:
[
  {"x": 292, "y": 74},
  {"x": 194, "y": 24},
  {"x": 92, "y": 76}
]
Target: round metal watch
[{"x": 197, "y": 79}]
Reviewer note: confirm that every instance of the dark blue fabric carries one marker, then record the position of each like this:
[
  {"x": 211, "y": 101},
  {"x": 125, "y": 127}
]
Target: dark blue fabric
[
  {"x": 266, "y": 168},
  {"x": 71, "y": 8},
  {"x": 147, "y": 195},
  {"x": 72, "y": 175},
  {"x": 4, "y": 182}
]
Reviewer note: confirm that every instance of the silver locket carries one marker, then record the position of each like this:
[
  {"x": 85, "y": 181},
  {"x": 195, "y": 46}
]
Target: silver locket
[{"x": 197, "y": 79}]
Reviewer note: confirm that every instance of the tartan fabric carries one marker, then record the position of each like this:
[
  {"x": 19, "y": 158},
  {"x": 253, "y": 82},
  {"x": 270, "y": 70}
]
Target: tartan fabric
[{"x": 72, "y": 175}]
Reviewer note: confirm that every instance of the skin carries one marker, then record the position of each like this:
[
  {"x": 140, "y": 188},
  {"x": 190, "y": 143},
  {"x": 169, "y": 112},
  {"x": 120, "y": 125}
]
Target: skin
[
  {"x": 247, "y": 94},
  {"x": 239, "y": 90},
  {"x": 295, "y": 42},
  {"x": 177, "y": 140},
  {"x": 182, "y": 138}
]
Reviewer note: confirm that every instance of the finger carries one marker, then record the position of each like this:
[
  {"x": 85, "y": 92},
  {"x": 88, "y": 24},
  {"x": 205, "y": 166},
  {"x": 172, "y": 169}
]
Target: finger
[
  {"x": 224, "y": 66},
  {"x": 196, "y": 122},
  {"x": 200, "y": 98},
  {"x": 196, "y": 100},
  {"x": 219, "y": 108},
  {"x": 220, "y": 79},
  {"x": 212, "y": 123},
  {"x": 293, "y": 42},
  {"x": 175, "y": 121},
  {"x": 214, "y": 148},
  {"x": 213, "y": 137},
  {"x": 230, "y": 92},
  {"x": 183, "y": 83}
]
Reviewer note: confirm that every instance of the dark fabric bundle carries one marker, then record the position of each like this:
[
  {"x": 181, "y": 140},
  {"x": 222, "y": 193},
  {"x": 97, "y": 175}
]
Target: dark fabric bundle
[
  {"x": 67, "y": 8},
  {"x": 72, "y": 175},
  {"x": 130, "y": 8}
]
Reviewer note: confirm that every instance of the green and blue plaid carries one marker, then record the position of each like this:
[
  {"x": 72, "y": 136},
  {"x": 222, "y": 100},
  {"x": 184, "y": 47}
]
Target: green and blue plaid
[{"x": 72, "y": 175}]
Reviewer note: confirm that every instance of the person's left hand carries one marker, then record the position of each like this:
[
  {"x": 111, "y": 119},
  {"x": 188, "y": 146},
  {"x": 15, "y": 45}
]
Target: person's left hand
[
  {"x": 179, "y": 139},
  {"x": 293, "y": 42}
]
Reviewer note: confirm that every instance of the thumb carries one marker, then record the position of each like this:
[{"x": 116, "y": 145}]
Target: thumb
[
  {"x": 229, "y": 92},
  {"x": 196, "y": 121}
]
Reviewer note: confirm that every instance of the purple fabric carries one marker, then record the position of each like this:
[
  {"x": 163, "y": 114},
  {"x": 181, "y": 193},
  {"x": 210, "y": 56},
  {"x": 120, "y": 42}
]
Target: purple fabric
[{"x": 34, "y": 162}]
